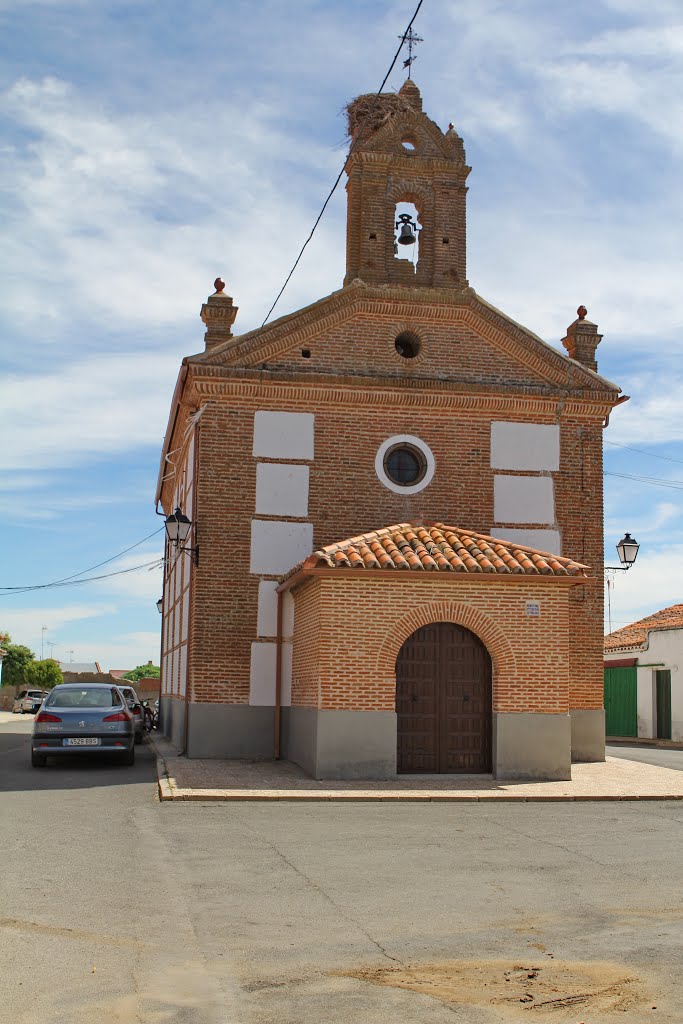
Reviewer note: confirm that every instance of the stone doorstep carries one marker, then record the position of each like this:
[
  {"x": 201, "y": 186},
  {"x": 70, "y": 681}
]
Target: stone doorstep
[
  {"x": 643, "y": 741},
  {"x": 169, "y": 790}
]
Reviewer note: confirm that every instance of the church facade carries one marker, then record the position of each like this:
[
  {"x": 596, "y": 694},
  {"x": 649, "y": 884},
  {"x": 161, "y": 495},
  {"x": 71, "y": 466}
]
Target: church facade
[{"x": 395, "y": 557}]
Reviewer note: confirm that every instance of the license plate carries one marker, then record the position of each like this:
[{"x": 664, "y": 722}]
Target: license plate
[{"x": 82, "y": 741}]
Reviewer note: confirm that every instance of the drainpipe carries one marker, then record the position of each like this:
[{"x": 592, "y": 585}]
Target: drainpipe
[
  {"x": 193, "y": 571},
  {"x": 278, "y": 679}
]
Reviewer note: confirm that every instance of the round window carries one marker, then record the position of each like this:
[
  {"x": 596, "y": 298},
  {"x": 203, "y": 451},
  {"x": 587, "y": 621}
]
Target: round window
[
  {"x": 405, "y": 465},
  {"x": 407, "y": 345}
]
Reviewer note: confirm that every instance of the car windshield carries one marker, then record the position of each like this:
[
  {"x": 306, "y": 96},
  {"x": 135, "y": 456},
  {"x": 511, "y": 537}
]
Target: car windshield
[{"x": 83, "y": 697}]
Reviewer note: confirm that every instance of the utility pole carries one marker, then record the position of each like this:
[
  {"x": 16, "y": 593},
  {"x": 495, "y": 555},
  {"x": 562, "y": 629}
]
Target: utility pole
[{"x": 43, "y": 631}]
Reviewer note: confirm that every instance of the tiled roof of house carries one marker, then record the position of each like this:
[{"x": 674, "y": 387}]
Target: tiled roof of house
[
  {"x": 635, "y": 634},
  {"x": 438, "y": 548},
  {"x": 80, "y": 666}
]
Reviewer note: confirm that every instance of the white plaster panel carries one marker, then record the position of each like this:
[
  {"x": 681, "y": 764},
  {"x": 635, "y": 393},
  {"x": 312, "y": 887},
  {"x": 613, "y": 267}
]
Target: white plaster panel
[
  {"x": 543, "y": 540},
  {"x": 525, "y": 446},
  {"x": 262, "y": 674},
  {"x": 266, "y": 621},
  {"x": 523, "y": 499},
  {"x": 276, "y": 546},
  {"x": 286, "y": 679},
  {"x": 186, "y": 613},
  {"x": 182, "y": 683},
  {"x": 281, "y": 490},
  {"x": 287, "y": 615},
  {"x": 284, "y": 435}
]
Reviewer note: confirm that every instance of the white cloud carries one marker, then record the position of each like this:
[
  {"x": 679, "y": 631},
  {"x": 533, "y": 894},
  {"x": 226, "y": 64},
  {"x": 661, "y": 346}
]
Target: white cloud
[
  {"x": 26, "y": 624},
  {"x": 120, "y": 651},
  {"x": 648, "y": 586},
  {"x": 143, "y": 585},
  {"x": 104, "y": 404}
]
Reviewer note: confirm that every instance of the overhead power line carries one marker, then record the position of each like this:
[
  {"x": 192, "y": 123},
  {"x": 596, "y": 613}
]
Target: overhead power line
[
  {"x": 674, "y": 485},
  {"x": 665, "y": 458},
  {"x": 12, "y": 591},
  {"x": 351, "y": 149},
  {"x": 98, "y": 565}
]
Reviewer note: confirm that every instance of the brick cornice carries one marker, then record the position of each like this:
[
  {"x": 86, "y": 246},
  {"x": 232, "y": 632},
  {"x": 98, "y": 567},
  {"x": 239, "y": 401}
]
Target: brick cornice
[{"x": 388, "y": 391}]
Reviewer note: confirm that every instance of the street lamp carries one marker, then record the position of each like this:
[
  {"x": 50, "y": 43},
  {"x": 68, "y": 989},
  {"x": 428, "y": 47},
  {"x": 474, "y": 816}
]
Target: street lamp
[
  {"x": 627, "y": 549},
  {"x": 160, "y": 605},
  {"x": 178, "y": 528}
]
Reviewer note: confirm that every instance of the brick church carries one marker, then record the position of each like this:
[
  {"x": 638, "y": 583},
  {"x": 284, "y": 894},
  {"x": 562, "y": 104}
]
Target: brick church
[{"x": 394, "y": 563}]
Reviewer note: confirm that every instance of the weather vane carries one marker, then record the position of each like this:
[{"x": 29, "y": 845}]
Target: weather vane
[{"x": 412, "y": 39}]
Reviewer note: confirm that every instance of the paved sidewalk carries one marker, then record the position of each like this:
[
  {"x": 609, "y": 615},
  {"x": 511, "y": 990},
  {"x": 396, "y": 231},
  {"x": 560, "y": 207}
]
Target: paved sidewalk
[{"x": 209, "y": 779}]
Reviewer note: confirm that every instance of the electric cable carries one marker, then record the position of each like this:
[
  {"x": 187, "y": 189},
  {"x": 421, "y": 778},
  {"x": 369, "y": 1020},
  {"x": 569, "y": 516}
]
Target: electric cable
[
  {"x": 674, "y": 485},
  {"x": 88, "y": 579},
  {"x": 41, "y": 586},
  {"x": 665, "y": 458},
  {"x": 339, "y": 176}
]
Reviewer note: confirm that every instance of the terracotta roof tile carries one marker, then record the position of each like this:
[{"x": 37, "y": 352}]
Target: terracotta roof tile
[
  {"x": 421, "y": 547},
  {"x": 635, "y": 634}
]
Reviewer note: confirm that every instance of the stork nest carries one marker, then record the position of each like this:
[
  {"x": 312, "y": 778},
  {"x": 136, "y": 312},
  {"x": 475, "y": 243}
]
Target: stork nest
[{"x": 372, "y": 112}]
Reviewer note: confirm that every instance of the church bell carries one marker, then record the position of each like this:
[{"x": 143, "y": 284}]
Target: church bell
[{"x": 407, "y": 234}]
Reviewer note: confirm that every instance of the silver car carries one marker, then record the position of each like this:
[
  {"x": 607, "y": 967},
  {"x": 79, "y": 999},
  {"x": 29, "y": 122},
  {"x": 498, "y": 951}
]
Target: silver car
[
  {"x": 91, "y": 718},
  {"x": 28, "y": 701},
  {"x": 135, "y": 705}
]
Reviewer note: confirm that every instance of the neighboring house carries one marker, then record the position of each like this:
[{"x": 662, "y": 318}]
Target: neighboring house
[
  {"x": 344, "y": 468},
  {"x": 119, "y": 673},
  {"x": 643, "y": 681},
  {"x": 79, "y": 667}
]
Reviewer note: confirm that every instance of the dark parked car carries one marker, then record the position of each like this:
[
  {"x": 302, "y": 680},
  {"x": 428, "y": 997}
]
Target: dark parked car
[
  {"x": 27, "y": 702},
  {"x": 91, "y": 718}
]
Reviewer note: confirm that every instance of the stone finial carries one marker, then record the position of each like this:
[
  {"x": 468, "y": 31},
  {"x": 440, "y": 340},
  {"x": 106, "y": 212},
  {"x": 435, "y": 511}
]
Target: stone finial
[
  {"x": 582, "y": 340},
  {"x": 218, "y": 313}
]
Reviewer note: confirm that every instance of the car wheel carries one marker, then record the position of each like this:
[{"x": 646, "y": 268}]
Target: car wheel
[
  {"x": 38, "y": 760},
  {"x": 129, "y": 758}
]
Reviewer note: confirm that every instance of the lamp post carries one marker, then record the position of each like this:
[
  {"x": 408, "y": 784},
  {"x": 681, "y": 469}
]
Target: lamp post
[
  {"x": 178, "y": 528},
  {"x": 627, "y": 549},
  {"x": 43, "y": 631}
]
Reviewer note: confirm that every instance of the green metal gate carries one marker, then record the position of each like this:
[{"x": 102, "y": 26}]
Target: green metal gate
[
  {"x": 663, "y": 704},
  {"x": 621, "y": 713}
]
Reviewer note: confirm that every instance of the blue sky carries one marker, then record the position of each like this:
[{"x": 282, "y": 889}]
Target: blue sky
[{"x": 147, "y": 148}]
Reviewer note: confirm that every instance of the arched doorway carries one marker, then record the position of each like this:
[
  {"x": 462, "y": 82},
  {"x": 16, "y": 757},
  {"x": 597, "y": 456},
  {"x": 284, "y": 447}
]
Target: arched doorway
[{"x": 443, "y": 701}]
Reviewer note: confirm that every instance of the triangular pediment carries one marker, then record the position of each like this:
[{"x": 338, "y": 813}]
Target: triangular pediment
[{"x": 462, "y": 339}]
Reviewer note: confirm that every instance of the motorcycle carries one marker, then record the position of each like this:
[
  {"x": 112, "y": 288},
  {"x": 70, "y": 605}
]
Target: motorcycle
[{"x": 151, "y": 715}]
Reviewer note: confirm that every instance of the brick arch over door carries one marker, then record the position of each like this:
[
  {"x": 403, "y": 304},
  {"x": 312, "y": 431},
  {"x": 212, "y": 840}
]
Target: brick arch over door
[{"x": 488, "y": 631}]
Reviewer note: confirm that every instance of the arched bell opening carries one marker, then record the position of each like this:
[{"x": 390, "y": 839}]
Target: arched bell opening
[
  {"x": 407, "y": 228},
  {"x": 444, "y": 702}
]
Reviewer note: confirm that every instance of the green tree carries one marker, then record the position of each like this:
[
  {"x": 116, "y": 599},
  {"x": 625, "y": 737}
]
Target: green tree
[
  {"x": 43, "y": 674},
  {"x": 15, "y": 662},
  {"x": 148, "y": 671}
]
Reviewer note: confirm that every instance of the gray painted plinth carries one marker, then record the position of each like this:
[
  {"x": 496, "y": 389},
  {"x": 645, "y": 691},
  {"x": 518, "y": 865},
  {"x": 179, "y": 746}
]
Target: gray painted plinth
[
  {"x": 172, "y": 715},
  {"x": 340, "y": 744},
  {"x": 588, "y": 734},
  {"x": 531, "y": 746},
  {"x": 230, "y": 730}
]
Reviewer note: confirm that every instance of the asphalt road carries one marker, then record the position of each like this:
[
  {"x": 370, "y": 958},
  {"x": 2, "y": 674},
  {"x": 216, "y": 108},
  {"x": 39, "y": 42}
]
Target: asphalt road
[
  {"x": 116, "y": 908},
  {"x": 661, "y": 756}
]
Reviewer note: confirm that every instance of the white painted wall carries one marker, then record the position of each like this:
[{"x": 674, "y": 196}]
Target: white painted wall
[
  {"x": 544, "y": 540},
  {"x": 523, "y": 499},
  {"x": 276, "y": 547},
  {"x": 525, "y": 446},
  {"x": 281, "y": 489},
  {"x": 266, "y": 623},
  {"x": 664, "y": 651},
  {"x": 283, "y": 435}
]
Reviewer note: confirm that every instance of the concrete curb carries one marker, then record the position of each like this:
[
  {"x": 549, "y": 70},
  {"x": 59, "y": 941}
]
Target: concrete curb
[{"x": 169, "y": 790}]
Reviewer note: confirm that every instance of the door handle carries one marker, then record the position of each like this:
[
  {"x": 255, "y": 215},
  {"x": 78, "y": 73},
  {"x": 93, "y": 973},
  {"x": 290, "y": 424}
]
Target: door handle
[{"x": 466, "y": 696}]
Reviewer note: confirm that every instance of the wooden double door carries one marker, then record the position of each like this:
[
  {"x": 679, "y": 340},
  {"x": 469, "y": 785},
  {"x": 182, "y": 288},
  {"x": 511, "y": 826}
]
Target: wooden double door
[{"x": 443, "y": 701}]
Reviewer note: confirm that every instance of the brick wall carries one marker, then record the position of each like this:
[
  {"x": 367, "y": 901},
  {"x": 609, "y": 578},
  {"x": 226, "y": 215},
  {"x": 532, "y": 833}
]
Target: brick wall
[{"x": 364, "y": 617}]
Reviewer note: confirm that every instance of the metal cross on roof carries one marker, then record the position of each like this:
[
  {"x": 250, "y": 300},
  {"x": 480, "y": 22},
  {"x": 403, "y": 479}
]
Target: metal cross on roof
[{"x": 412, "y": 39}]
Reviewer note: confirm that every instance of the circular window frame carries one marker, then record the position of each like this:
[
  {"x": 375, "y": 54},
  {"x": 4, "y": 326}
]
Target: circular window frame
[
  {"x": 405, "y": 441},
  {"x": 419, "y": 334}
]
